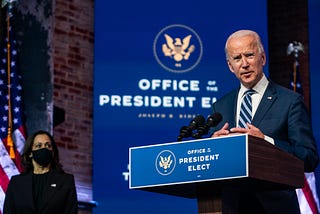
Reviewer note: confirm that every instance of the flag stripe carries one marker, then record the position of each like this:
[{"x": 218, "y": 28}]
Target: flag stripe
[
  {"x": 4, "y": 181},
  {"x": 309, "y": 196},
  {"x": 303, "y": 203},
  {"x": 10, "y": 111},
  {"x": 6, "y": 162}
]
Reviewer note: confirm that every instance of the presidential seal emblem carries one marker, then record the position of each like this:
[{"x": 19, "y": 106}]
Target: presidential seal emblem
[
  {"x": 177, "y": 48},
  {"x": 165, "y": 162}
]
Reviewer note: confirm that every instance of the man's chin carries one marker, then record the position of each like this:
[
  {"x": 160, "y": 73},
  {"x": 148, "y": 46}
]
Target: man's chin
[{"x": 248, "y": 83}]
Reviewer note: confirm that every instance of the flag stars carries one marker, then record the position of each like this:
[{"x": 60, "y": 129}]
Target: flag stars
[
  {"x": 9, "y": 89},
  {"x": 16, "y": 109},
  {"x": 3, "y": 129}
]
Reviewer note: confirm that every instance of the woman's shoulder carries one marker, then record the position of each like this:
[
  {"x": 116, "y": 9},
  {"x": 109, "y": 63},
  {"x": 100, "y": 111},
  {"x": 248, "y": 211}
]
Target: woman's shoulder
[
  {"x": 20, "y": 178},
  {"x": 21, "y": 175}
]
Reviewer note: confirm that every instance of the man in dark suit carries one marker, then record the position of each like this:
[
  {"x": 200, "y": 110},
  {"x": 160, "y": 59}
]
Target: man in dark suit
[{"x": 278, "y": 115}]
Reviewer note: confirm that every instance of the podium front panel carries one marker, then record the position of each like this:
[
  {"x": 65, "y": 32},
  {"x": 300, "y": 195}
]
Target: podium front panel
[{"x": 189, "y": 161}]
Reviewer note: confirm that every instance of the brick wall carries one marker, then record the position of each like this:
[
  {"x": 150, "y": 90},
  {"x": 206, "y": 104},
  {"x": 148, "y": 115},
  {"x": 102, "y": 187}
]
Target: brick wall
[
  {"x": 73, "y": 40},
  {"x": 288, "y": 22}
]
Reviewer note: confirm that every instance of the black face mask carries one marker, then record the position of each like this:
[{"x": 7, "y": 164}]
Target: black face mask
[{"x": 42, "y": 156}]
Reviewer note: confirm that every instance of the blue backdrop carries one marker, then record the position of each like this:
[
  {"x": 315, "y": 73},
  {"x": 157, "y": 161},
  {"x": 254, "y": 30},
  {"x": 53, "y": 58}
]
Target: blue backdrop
[
  {"x": 314, "y": 50},
  {"x": 157, "y": 65}
]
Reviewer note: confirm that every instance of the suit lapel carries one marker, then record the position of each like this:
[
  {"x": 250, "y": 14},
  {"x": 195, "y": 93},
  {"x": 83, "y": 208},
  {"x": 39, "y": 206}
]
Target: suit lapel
[
  {"x": 233, "y": 111},
  {"x": 266, "y": 102},
  {"x": 28, "y": 190},
  {"x": 228, "y": 110}
]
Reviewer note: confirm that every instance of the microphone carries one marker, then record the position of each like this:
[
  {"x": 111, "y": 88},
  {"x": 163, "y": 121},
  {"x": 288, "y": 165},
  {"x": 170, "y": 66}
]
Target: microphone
[
  {"x": 212, "y": 121},
  {"x": 187, "y": 131}
]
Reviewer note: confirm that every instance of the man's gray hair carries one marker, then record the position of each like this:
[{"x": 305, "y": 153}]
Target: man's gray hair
[{"x": 242, "y": 33}]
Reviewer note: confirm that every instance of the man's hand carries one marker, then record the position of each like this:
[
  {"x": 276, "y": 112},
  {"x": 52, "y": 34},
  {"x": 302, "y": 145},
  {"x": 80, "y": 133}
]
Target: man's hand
[
  {"x": 251, "y": 130},
  {"x": 223, "y": 131}
]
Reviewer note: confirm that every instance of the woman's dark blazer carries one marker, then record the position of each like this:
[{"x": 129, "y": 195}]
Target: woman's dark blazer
[{"x": 61, "y": 197}]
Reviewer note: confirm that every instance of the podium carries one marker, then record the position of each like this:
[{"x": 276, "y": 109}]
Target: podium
[{"x": 202, "y": 168}]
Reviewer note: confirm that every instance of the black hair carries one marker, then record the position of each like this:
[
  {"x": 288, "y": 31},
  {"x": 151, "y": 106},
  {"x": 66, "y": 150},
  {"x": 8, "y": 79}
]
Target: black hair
[{"x": 26, "y": 160}]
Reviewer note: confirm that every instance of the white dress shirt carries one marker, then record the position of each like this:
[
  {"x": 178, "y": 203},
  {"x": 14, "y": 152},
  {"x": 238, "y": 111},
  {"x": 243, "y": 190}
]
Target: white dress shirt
[{"x": 259, "y": 88}]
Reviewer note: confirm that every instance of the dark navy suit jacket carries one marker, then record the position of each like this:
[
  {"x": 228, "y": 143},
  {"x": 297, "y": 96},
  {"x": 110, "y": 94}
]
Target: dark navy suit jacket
[
  {"x": 60, "y": 198},
  {"x": 283, "y": 116}
]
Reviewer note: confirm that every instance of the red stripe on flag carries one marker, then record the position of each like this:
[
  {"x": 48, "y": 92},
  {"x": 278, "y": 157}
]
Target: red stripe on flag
[
  {"x": 22, "y": 131},
  {"x": 17, "y": 160},
  {"x": 4, "y": 180},
  {"x": 309, "y": 196}
]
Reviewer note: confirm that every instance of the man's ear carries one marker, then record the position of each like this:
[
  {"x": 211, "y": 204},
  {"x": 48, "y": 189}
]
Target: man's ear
[
  {"x": 264, "y": 59},
  {"x": 230, "y": 66}
]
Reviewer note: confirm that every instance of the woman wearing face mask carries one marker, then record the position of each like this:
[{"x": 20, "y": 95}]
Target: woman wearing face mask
[{"x": 43, "y": 187}]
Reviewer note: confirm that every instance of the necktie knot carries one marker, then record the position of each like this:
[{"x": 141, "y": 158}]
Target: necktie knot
[{"x": 249, "y": 92}]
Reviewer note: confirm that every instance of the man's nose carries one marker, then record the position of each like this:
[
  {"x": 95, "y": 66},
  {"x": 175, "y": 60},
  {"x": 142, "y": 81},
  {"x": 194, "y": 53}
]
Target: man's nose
[{"x": 244, "y": 62}]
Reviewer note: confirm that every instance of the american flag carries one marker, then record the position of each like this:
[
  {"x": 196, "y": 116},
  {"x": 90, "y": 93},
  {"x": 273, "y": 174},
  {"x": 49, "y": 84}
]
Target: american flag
[
  {"x": 12, "y": 131},
  {"x": 307, "y": 196}
]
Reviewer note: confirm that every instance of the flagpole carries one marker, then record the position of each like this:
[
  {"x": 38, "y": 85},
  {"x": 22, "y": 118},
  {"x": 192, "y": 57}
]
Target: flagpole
[
  {"x": 295, "y": 76},
  {"x": 306, "y": 192},
  {"x": 9, "y": 137},
  {"x": 294, "y": 48}
]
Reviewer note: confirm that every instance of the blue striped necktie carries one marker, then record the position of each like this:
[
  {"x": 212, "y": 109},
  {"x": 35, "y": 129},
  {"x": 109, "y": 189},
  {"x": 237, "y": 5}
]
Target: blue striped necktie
[{"x": 246, "y": 109}]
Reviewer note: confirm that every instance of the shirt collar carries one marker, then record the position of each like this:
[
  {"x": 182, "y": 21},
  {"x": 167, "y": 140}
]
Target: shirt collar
[{"x": 260, "y": 87}]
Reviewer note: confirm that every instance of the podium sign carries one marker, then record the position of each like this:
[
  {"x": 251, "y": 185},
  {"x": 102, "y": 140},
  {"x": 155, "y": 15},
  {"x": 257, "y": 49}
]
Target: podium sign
[
  {"x": 189, "y": 161},
  {"x": 203, "y": 168}
]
